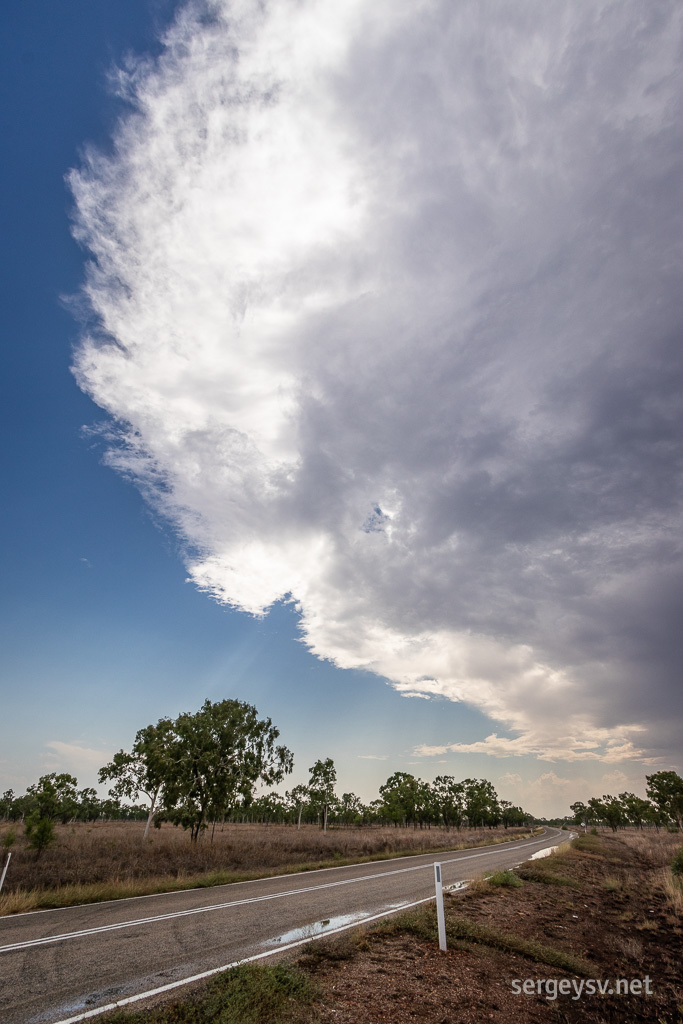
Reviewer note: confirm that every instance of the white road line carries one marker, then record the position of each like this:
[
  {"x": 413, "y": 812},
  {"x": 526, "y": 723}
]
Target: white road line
[
  {"x": 236, "y": 963},
  {"x": 48, "y": 939}
]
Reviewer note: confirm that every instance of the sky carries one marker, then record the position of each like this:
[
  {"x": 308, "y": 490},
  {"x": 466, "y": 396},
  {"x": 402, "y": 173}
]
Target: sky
[{"x": 341, "y": 374}]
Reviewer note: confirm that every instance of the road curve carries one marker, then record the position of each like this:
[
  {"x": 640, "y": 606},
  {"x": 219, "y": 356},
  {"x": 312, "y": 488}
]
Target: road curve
[{"x": 56, "y": 965}]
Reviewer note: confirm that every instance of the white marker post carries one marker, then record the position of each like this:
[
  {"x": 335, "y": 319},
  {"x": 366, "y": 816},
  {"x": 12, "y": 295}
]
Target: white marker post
[
  {"x": 440, "y": 916},
  {"x": 4, "y": 870}
]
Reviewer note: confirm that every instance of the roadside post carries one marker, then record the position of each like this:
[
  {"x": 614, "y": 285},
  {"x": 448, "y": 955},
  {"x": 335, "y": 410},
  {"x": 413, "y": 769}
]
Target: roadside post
[
  {"x": 4, "y": 870},
  {"x": 440, "y": 916}
]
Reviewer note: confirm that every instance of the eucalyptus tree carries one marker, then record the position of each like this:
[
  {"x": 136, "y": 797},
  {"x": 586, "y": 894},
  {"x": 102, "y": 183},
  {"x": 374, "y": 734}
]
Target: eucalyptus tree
[
  {"x": 323, "y": 776},
  {"x": 216, "y": 758},
  {"x": 665, "y": 789},
  {"x": 402, "y": 798},
  {"x": 297, "y": 798},
  {"x": 449, "y": 800},
  {"x": 145, "y": 769},
  {"x": 481, "y": 803}
]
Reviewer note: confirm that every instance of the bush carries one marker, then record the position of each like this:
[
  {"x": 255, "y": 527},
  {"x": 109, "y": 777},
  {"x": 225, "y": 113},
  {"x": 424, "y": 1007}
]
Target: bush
[
  {"x": 594, "y": 831},
  {"x": 677, "y": 863},
  {"x": 505, "y": 878},
  {"x": 9, "y": 839},
  {"x": 40, "y": 832}
]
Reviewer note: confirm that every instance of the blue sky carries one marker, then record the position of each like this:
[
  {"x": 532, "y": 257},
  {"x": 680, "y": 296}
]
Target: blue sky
[{"x": 402, "y": 371}]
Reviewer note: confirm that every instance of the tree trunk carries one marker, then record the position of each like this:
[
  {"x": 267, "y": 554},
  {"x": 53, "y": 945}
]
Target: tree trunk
[{"x": 150, "y": 816}]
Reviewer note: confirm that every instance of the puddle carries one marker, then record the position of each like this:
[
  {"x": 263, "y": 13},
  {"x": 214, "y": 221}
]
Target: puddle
[
  {"x": 540, "y": 854},
  {"x": 309, "y": 931}
]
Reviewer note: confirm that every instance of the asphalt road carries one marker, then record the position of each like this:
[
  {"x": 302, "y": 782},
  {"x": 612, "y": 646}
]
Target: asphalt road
[{"x": 58, "y": 964}]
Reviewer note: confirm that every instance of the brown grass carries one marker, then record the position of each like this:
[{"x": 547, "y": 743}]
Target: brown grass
[{"x": 109, "y": 860}]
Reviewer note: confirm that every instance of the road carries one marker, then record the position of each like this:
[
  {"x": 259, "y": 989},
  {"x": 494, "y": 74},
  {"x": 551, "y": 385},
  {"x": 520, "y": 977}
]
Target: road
[{"x": 56, "y": 965}]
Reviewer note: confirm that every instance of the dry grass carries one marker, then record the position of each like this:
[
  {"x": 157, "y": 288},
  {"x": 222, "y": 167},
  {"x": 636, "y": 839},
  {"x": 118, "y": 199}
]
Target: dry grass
[
  {"x": 110, "y": 860},
  {"x": 673, "y": 890}
]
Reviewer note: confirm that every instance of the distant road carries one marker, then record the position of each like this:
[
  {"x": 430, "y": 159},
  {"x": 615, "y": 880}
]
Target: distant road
[{"x": 56, "y": 965}]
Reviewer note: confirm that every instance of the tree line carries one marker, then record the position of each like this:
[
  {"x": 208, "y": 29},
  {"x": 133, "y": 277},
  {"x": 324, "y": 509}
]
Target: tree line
[
  {"x": 663, "y": 807},
  {"x": 203, "y": 768}
]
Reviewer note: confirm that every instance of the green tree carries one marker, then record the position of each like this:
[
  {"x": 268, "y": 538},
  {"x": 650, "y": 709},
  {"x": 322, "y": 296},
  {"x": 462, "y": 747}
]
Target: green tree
[
  {"x": 145, "y": 769},
  {"x": 402, "y": 798},
  {"x": 39, "y": 832},
  {"x": 297, "y": 799},
  {"x": 323, "y": 776},
  {"x": 54, "y": 797},
  {"x": 613, "y": 811},
  {"x": 665, "y": 789},
  {"x": 449, "y": 798},
  {"x": 351, "y": 809},
  {"x": 635, "y": 808},
  {"x": 218, "y": 755},
  {"x": 582, "y": 813},
  {"x": 6, "y": 801},
  {"x": 481, "y": 803}
]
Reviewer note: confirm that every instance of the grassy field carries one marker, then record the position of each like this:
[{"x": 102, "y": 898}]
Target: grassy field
[
  {"x": 110, "y": 860},
  {"x": 605, "y": 908}
]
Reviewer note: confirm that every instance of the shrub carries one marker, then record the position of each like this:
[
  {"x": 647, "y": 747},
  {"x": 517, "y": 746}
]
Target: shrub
[
  {"x": 9, "y": 839},
  {"x": 40, "y": 833},
  {"x": 505, "y": 878}
]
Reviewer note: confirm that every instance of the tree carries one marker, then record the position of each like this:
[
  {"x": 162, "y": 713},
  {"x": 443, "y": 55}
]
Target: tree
[
  {"x": 613, "y": 811},
  {"x": 298, "y": 797},
  {"x": 6, "y": 801},
  {"x": 323, "y": 776},
  {"x": 665, "y": 789},
  {"x": 217, "y": 756},
  {"x": 39, "y": 832},
  {"x": 635, "y": 808},
  {"x": 596, "y": 809},
  {"x": 449, "y": 798},
  {"x": 351, "y": 809},
  {"x": 481, "y": 803},
  {"x": 402, "y": 797},
  {"x": 54, "y": 796},
  {"x": 145, "y": 768}
]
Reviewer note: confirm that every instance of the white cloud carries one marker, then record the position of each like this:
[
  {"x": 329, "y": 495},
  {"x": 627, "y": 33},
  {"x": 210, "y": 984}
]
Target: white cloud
[
  {"x": 373, "y": 757},
  {"x": 615, "y": 778},
  {"x": 386, "y": 302},
  {"x": 75, "y": 759}
]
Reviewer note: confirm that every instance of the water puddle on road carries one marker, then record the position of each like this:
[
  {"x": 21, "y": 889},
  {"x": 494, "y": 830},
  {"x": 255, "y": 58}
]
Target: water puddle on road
[
  {"x": 540, "y": 854},
  {"x": 310, "y": 931}
]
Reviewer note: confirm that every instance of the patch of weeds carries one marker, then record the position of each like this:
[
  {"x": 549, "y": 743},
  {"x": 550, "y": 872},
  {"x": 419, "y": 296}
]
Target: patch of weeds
[
  {"x": 612, "y": 884},
  {"x": 505, "y": 878},
  {"x": 646, "y": 925},
  {"x": 331, "y": 950},
  {"x": 589, "y": 842},
  {"x": 249, "y": 994},
  {"x": 421, "y": 923},
  {"x": 547, "y": 877},
  {"x": 462, "y": 933},
  {"x": 460, "y": 928}
]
